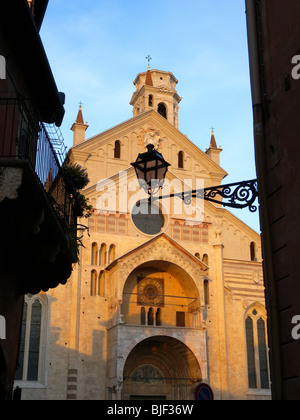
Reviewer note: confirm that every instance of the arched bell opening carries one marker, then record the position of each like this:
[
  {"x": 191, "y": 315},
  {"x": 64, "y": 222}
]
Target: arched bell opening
[{"x": 162, "y": 110}]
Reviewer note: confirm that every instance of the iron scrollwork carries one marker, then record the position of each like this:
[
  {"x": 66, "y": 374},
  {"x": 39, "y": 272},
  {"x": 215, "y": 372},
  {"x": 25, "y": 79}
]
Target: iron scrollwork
[{"x": 238, "y": 195}]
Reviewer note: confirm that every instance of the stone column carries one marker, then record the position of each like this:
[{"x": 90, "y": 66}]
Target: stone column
[
  {"x": 221, "y": 316},
  {"x": 74, "y": 330}
]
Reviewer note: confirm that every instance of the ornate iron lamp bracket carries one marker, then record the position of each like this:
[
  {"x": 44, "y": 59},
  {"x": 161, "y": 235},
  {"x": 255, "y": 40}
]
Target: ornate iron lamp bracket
[{"x": 238, "y": 195}]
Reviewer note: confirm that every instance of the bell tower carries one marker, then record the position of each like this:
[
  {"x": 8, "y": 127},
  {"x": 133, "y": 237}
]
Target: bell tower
[{"x": 156, "y": 89}]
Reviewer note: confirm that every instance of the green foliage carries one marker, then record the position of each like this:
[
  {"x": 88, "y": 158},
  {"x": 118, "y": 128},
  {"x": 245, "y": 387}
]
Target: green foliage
[
  {"x": 77, "y": 178},
  {"x": 72, "y": 243},
  {"x": 85, "y": 206},
  {"x": 76, "y": 174}
]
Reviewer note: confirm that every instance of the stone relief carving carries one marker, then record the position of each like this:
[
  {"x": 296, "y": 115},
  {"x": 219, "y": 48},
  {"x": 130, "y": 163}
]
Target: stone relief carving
[{"x": 152, "y": 136}]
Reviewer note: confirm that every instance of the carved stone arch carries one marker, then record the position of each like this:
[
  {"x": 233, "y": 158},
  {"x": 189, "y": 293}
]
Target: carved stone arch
[
  {"x": 110, "y": 151},
  {"x": 259, "y": 307},
  {"x": 144, "y": 336},
  {"x": 188, "y": 163},
  {"x": 125, "y": 140},
  {"x": 189, "y": 269}
]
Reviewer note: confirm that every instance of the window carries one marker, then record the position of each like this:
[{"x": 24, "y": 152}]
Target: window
[
  {"x": 103, "y": 255},
  {"x": 263, "y": 357},
  {"x": 257, "y": 357},
  {"x": 180, "y": 319},
  {"x": 206, "y": 292},
  {"x": 162, "y": 110},
  {"x": 143, "y": 316},
  {"x": 94, "y": 260},
  {"x": 31, "y": 363},
  {"x": 94, "y": 283},
  {"x": 102, "y": 283},
  {"x": 97, "y": 283},
  {"x": 252, "y": 381},
  {"x": 253, "y": 251},
  {"x": 150, "y": 317},
  {"x": 180, "y": 159},
  {"x": 150, "y": 102},
  {"x": 117, "y": 154},
  {"x": 111, "y": 253},
  {"x": 158, "y": 318},
  {"x": 153, "y": 319},
  {"x": 148, "y": 218},
  {"x": 205, "y": 259}
]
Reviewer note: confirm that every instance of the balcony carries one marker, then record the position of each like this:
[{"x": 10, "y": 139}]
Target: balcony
[
  {"x": 23, "y": 137},
  {"x": 38, "y": 203}
]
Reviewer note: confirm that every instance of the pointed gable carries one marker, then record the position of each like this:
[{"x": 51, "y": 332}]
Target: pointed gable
[
  {"x": 97, "y": 153},
  {"x": 153, "y": 250}
]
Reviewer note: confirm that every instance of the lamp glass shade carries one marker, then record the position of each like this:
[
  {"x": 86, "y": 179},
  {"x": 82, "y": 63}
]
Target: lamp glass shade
[{"x": 151, "y": 169}]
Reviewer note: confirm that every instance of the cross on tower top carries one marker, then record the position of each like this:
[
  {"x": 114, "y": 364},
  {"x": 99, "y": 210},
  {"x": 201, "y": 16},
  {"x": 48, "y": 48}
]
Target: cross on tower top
[{"x": 148, "y": 58}]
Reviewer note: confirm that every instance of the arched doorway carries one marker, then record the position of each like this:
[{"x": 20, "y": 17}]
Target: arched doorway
[{"x": 161, "y": 367}]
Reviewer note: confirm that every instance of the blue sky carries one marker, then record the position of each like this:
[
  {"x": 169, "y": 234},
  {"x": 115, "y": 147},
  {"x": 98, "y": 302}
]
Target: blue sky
[{"x": 97, "y": 47}]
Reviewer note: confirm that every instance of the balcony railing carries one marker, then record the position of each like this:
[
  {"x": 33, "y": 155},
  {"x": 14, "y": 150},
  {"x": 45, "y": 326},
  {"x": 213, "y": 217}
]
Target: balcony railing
[{"x": 23, "y": 136}]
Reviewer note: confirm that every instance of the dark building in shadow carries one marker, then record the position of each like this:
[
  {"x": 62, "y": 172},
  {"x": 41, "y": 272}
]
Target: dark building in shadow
[
  {"x": 273, "y": 34},
  {"x": 38, "y": 207}
]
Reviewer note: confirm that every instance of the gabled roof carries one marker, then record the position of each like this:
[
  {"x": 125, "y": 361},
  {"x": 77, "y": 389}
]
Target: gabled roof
[
  {"x": 161, "y": 236},
  {"x": 162, "y": 124}
]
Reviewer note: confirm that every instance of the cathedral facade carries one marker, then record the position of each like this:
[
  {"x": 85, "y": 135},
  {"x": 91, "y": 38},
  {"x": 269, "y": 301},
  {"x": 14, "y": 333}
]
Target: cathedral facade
[{"x": 166, "y": 295}]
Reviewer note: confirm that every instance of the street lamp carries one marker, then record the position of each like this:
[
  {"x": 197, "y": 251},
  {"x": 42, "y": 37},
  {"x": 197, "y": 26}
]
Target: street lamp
[{"x": 151, "y": 169}]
